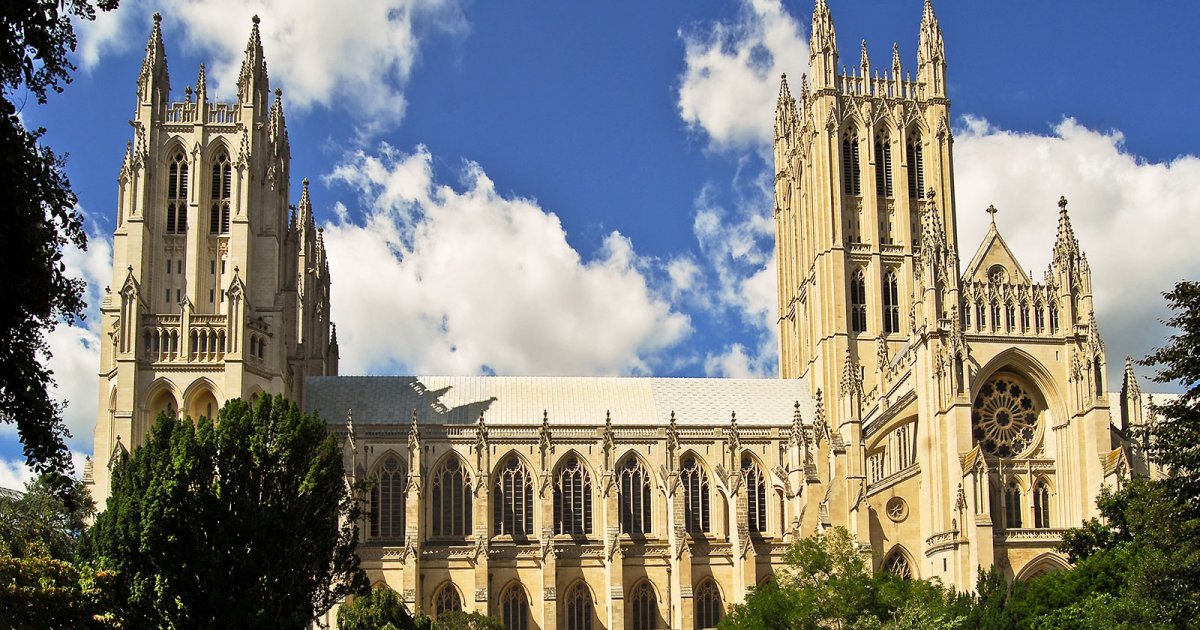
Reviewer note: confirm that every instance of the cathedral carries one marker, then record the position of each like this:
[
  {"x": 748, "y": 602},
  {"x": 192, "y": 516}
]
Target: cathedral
[{"x": 950, "y": 417}]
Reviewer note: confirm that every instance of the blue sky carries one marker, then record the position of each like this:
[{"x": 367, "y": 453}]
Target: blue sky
[{"x": 549, "y": 188}]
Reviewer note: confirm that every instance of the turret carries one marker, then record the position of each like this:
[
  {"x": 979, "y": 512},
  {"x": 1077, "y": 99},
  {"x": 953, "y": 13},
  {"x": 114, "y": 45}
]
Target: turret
[
  {"x": 1131, "y": 399},
  {"x": 785, "y": 122},
  {"x": 822, "y": 56},
  {"x": 253, "y": 90},
  {"x": 154, "y": 85},
  {"x": 931, "y": 55}
]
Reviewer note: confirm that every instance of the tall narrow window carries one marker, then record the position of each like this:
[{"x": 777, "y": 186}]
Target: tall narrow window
[
  {"x": 1053, "y": 317},
  {"x": 1041, "y": 505},
  {"x": 695, "y": 496},
  {"x": 916, "y": 167},
  {"x": 858, "y": 301},
  {"x": 708, "y": 605},
  {"x": 883, "y": 166},
  {"x": 1039, "y": 318},
  {"x": 177, "y": 182},
  {"x": 891, "y": 303},
  {"x": 756, "y": 495},
  {"x": 979, "y": 314},
  {"x": 1010, "y": 317},
  {"x": 995, "y": 315},
  {"x": 514, "y": 608},
  {"x": 450, "y": 509},
  {"x": 512, "y": 503},
  {"x": 1024, "y": 317},
  {"x": 851, "y": 171},
  {"x": 222, "y": 185},
  {"x": 644, "y": 607},
  {"x": 1012, "y": 505},
  {"x": 634, "y": 496},
  {"x": 580, "y": 608},
  {"x": 573, "y": 499},
  {"x": 446, "y": 600},
  {"x": 387, "y": 500}
]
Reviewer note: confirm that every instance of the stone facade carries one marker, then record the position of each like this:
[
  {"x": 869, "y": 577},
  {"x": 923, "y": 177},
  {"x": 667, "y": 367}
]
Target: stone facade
[{"x": 949, "y": 419}]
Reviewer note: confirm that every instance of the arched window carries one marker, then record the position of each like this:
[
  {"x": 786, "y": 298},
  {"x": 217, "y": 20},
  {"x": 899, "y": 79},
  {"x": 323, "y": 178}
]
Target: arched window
[
  {"x": 1010, "y": 316},
  {"x": 756, "y": 495},
  {"x": 387, "y": 500},
  {"x": 851, "y": 172},
  {"x": 1053, "y": 317},
  {"x": 1039, "y": 318},
  {"x": 903, "y": 450},
  {"x": 512, "y": 504},
  {"x": 916, "y": 167},
  {"x": 1012, "y": 505},
  {"x": 1004, "y": 417},
  {"x": 580, "y": 610},
  {"x": 897, "y": 564},
  {"x": 634, "y": 497},
  {"x": 891, "y": 303},
  {"x": 446, "y": 600},
  {"x": 966, "y": 313},
  {"x": 1024, "y": 317},
  {"x": 1041, "y": 505},
  {"x": 573, "y": 499},
  {"x": 644, "y": 607},
  {"x": 995, "y": 315},
  {"x": 514, "y": 608},
  {"x": 177, "y": 183},
  {"x": 858, "y": 301},
  {"x": 450, "y": 509},
  {"x": 222, "y": 189},
  {"x": 980, "y": 314},
  {"x": 883, "y": 165},
  {"x": 695, "y": 496},
  {"x": 708, "y": 605}
]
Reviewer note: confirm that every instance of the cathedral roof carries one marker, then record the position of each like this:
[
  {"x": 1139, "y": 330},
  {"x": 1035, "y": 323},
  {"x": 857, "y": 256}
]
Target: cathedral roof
[
  {"x": 994, "y": 251},
  {"x": 522, "y": 400}
]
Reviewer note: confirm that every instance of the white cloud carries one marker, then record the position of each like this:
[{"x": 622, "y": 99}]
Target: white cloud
[
  {"x": 14, "y": 474},
  {"x": 460, "y": 282},
  {"x": 323, "y": 53},
  {"x": 1131, "y": 216},
  {"x": 731, "y": 74}
]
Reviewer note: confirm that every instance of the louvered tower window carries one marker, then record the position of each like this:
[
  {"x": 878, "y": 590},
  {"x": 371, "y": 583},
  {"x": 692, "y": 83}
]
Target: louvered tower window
[
  {"x": 916, "y": 168},
  {"x": 851, "y": 170},
  {"x": 177, "y": 182},
  {"x": 222, "y": 190},
  {"x": 883, "y": 166}
]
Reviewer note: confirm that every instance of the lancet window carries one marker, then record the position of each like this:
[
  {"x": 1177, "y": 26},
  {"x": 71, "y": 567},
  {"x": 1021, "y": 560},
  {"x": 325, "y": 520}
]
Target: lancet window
[
  {"x": 451, "y": 504},
  {"x": 222, "y": 185},
  {"x": 580, "y": 609},
  {"x": 709, "y": 609},
  {"x": 446, "y": 600},
  {"x": 388, "y": 499},
  {"x": 883, "y": 165},
  {"x": 897, "y": 564},
  {"x": 644, "y": 607},
  {"x": 634, "y": 497},
  {"x": 1012, "y": 505},
  {"x": 858, "y": 301},
  {"x": 756, "y": 495},
  {"x": 891, "y": 303},
  {"x": 695, "y": 496},
  {"x": 572, "y": 499},
  {"x": 916, "y": 167},
  {"x": 1041, "y": 505},
  {"x": 177, "y": 183},
  {"x": 512, "y": 505},
  {"x": 851, "y": 168},
  {"x": 514, "y": 608}
]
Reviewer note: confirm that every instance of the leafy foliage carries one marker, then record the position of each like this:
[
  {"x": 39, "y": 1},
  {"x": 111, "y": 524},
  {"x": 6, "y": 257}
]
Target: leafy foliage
[
  {"x": 44, "y": 520},
  {"x": 38, "y": 221},
  {"x": 457, "y": 620},
  {"x": 244, "y": 522},
  {"x": 380, "y": 609}
]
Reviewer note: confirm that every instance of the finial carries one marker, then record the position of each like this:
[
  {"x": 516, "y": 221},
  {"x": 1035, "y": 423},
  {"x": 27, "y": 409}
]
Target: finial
[
  {"x": 304, "y": 182},
  {"x": 932, "y": 194},
  {"x": 278, "y": 92},
  {"x": 253, "y": 19},
  {"x": 992, "y": 211},
  {"x": 1062, "y": 204},
  {"x": 157, "y": 17},
  {"x": 865, "y": 61}
]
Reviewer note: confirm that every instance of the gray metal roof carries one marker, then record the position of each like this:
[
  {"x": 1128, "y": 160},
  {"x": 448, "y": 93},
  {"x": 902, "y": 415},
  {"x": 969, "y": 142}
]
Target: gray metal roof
[{"x": 565, "y": 400}]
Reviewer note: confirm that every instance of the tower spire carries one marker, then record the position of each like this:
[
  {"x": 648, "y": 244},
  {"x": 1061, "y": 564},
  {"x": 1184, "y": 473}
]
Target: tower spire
[
  {"x": 864, "y": 61},
  {"x": 895, "y": 61},
  {"x": 252, "y": 82},
  {"x": 1066, "y": 246},
  {"x": 931, "y": 54},
  {"x": 153, "y": 80},
  {"x": 822, "y": 47}
]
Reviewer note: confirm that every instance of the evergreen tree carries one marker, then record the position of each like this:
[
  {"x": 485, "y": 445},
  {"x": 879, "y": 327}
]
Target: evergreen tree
[{"x": 242, "y": 522}]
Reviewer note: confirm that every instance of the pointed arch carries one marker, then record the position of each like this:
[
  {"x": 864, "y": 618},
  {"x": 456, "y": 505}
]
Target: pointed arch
[
  {"x": 884, "y": 174},
  {"x": 514, "y": 606},
  {"x": 851, "y": 159},
  {"x": 1041, "y": 493},
  {"x": 161, "y": 396},
  {"x": 512, "y": 497},
  {"x": 177, "y": 169},
  {"x": 891, "y": 302},
  {"x": 451, "y": 498},
  {"x": 1022, "y": 363},
  {"x": 572, "y": 495},
  {"x": 196, "y": 389},
  {"x": 915, "y": 159},
  {"x": 388, "y": 499},
  {"x": 858, "y": 300},
  {"x": 697, "y": 494},
  {"x": 900, "y": 563},
  {"x": 710, "y": 605},
  {"x": 220, "y": 191},
  {"x": 643, "y": 606},
  {"x": 754, "y": 484},
  {"x": 634, "y": 496},
  {"x": 1048, "y": 562},
  {"x": 579, "y": 606},
  {"x": 446, "y": 598}
]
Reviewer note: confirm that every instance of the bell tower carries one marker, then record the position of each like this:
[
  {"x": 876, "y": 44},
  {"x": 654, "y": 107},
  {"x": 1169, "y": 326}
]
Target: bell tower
[
  {"x": 220, "y": 287},
  {"x": 860, "y": 153}
]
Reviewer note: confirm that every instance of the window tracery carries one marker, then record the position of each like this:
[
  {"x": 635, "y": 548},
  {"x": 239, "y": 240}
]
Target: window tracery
[
  {"x": 644, "y": 607},
  {"x": 1004, "y": 417},
  {"x": 897, "y": 564},
  {"x": 573, "y": 499},
  {"x": 756, "y": 495},
  {"x": 222, "y": 184},
  {"x": 634, "y": 496},
  {"x": 446, "y": 600},
  {"x": 1012, "y": 505},
  {"x": 1041, "y": 505},
  {"x": 709, "y": 609},
  {"x": 388, "y": 500},
  {"x": 695, "y": 496},
  {"x": 512, "y": 505},
  {"x": 450, "y": 508},
  {"x": 177, "y": 183},
  {"x": 514, "y": 608},
  {"x": 891, "y": 303},
  {"x": 579, "y": 610},
  {"x": 858, "y": 301}
]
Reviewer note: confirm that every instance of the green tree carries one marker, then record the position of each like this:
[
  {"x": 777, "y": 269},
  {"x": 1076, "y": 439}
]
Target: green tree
[
  {"x": 38, "y": 221},
  {"x": 458, "y": 620},
  {"x": 245, "y": 522},
  {"x": 45, "y": 520},
  {"x": 379, "y": 609},
  {"x": 1175, "y": 441}
]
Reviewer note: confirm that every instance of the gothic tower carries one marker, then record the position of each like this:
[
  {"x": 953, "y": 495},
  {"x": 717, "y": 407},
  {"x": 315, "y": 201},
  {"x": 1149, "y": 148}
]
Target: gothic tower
[{"x": 221, "y": 287}]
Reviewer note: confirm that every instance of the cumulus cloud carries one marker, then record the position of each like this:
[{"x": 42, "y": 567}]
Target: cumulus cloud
[
  {"x": 322, "y": 52},
  {"x": 731, "y": 73},
  {"x": 14, "y": 474},
  {"x": 438, "y": 280},
  {"x": 1131, "y": 216}
]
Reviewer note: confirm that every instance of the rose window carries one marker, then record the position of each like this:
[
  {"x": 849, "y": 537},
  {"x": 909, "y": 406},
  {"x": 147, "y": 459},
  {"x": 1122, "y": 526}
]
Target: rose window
[{"x": 1004, "y": 418}]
